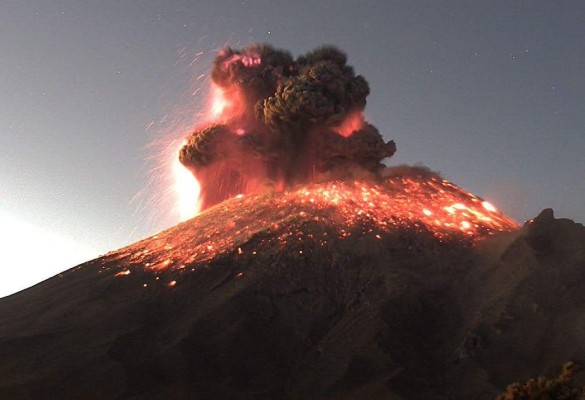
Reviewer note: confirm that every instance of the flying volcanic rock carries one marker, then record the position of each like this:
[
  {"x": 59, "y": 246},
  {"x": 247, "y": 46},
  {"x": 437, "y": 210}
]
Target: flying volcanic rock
[{"x": 280, "y": 122}]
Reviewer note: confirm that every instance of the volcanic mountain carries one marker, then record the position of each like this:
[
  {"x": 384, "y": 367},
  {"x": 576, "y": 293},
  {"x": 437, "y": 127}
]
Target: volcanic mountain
[{"x": 408, "y": 288}]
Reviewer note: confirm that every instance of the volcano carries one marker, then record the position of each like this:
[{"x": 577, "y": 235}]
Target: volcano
[
  {"x": 313, "y": 272},
  {"x": 408, "y": 288}
]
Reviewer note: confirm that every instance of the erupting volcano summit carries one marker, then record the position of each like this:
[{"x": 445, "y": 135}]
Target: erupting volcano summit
[
  {"x": 278, "y": 122},
  {"x": 297, "y": 127}
]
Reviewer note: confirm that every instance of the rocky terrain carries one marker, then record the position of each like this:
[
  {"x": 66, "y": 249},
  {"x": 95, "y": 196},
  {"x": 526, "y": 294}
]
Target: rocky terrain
[{"x": 261, "y": 298}]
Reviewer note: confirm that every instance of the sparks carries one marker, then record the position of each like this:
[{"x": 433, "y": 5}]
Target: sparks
[{"x": 424, "y": 204}]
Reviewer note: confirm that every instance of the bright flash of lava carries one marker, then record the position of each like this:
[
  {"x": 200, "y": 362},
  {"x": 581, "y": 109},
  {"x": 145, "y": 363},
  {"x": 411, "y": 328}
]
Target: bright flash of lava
[
  {"x": 352, "y": 122},
  {"x": 219, "y": 102},
  {"x": 186, "y": 188},
  {"x": 351, "y": 209},
  {"x": 224, "y": 105}
]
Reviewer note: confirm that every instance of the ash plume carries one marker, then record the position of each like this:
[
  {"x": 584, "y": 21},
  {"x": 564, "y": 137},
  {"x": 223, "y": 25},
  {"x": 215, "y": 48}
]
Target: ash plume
[{"x": 281, "y": 121}]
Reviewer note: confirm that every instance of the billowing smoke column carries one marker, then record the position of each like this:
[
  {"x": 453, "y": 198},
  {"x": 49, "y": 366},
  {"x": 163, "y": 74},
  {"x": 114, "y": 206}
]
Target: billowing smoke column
[{"x": 279, "y": 122}]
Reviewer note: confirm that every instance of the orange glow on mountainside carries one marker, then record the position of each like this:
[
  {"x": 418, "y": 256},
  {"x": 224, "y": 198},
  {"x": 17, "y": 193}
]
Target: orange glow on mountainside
[{"x": 351, "y": 209}]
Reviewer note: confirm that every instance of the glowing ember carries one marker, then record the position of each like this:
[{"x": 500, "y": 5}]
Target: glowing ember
[
  {"x": 251, "y": 61},
  {"x": 247, "y": 60},
  {"x": 425, "y": 204},
  {"x": 352, "y": 123},
  {"x": 277, "y": 129},
  {"x": 488, "y": 206}
]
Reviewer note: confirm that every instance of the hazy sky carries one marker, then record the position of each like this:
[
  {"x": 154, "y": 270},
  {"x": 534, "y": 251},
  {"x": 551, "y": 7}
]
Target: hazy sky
[{"x": 489, "y": 93}]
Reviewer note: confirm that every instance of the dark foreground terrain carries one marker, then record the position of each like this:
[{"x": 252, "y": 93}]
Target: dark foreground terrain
[{"x": 294, "y": 310}]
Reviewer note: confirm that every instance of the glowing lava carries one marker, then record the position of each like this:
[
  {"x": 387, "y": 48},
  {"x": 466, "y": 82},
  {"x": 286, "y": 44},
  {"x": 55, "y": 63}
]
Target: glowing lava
[
  {"x": 250, "y": 223},
  {"x": 186, "y": 188},
  {"x": 225, "y": 104},
  {"x": 271, "y": 124},
  {"x": 352, "y": 123},
  {"x": 219, "y": 102}
]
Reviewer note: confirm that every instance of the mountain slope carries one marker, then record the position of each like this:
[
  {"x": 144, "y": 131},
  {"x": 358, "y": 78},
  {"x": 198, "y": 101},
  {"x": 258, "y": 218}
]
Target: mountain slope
[{"x": 336, "y": 291}]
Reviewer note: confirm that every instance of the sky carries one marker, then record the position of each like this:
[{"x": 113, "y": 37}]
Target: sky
[{"x": 96, "y": 96}]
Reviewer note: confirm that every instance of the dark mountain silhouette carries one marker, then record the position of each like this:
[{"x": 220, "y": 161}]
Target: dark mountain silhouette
[{"x": 271, "y": 297}]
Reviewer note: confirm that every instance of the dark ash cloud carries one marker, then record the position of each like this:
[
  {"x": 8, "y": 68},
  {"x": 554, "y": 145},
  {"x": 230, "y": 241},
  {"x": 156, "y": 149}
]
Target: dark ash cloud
[{"x": 285, "y": 121}]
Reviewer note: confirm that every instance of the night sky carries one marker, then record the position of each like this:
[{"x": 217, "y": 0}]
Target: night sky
[{"x": 95, "y": 95}]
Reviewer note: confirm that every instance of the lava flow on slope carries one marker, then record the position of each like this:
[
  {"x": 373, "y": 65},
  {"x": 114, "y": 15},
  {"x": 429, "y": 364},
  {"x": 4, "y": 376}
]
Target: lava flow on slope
[
  {"x": 410, "y": 198},
  {"x": 287, "y": 145}
]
